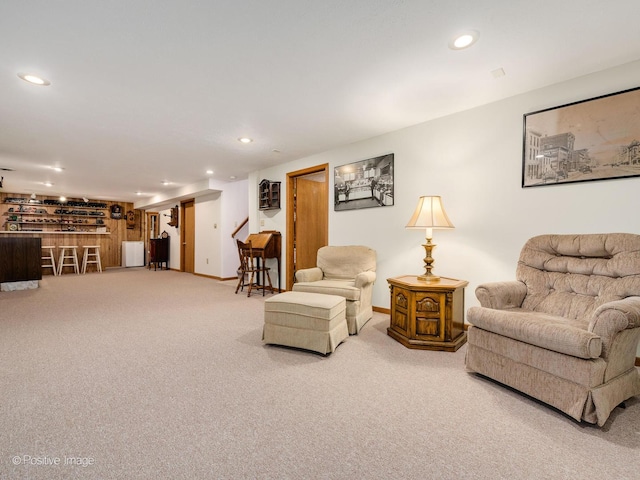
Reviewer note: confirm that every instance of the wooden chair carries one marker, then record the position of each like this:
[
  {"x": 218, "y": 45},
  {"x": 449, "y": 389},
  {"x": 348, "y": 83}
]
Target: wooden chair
[{"x": 251, "y": 264}]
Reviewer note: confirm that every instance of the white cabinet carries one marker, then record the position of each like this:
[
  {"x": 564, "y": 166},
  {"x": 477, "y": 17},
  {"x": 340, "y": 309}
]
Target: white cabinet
[{"x": 132, "y": 254}]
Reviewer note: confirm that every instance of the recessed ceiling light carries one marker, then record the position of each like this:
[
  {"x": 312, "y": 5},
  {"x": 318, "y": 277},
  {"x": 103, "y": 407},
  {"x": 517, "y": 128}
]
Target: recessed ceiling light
[
  {"x": 232, "y": 177},
  {"x": 57, "y": 169},
  {"x": 209, "y": 172},
  {"x": 166, "y": 182},
  {"x": 138, "y": 193},
  {"x": 47, "y": 184},
  {"x": 34, "y": 79},
  {"x": 464, "y": 40},
  {"x": 245, "y": 140},
  {"x": 63, "y": 199}
]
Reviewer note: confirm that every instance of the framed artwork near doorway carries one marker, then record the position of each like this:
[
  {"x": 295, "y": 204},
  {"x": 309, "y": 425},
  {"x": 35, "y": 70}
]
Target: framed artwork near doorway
[
  {"x": 594, "y": 139},
  {"x": 364, "y": 184}
]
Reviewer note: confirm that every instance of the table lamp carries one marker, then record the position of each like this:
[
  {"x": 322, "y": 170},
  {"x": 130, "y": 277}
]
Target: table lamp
[{"x": 429, "y": 214}]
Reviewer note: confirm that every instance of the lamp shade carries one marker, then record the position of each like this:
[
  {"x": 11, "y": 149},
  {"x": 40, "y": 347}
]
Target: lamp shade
[{"x": 429, "y": 214}]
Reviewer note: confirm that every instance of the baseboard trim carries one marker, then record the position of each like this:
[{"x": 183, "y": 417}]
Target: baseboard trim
[
  {"x": 207, "y": 276},
  {"x": 214, "y": 277},
  {"x": 382, "y": 310}
]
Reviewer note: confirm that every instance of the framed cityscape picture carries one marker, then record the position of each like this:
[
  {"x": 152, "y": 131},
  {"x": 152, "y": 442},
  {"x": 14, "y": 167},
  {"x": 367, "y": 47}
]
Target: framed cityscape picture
[
  {"x": 594, "y": 139},
  {"x": 364, "y": 184}
]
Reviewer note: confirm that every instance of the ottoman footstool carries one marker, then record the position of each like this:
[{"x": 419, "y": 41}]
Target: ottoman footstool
[{"x": 311, "y": 321}]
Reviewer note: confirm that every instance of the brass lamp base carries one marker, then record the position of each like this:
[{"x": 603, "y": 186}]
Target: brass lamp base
[
  {"x": 428, "y": 263},
  {"x": 429, "y": 278}
]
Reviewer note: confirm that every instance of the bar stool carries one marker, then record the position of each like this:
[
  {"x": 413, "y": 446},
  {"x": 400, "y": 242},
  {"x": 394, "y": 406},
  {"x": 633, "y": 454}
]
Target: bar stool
[
  {"x": 48, "y": 256},
  {"x": 95, "y": 255},
  {"x": 68, "y": 252}
]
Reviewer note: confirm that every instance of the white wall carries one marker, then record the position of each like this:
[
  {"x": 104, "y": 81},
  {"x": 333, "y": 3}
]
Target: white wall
[
  {"x": 234, "y": 211},
  {"x": 208, "y": 256},
  {"x": 473, "y": 159},
  {"x": 217, "y": 214}
]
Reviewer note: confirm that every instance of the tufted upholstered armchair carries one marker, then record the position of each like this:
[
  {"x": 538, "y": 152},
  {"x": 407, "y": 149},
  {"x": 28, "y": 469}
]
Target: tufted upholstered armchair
[
  {"x": 566, "y": 331},
  {"x": 347, "y": 271}
]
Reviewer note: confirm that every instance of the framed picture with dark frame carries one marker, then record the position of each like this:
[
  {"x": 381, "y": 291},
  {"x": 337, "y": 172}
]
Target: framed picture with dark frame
[
  {"x": 364, "y": 184},
  {"x": 594, "y": 139}
]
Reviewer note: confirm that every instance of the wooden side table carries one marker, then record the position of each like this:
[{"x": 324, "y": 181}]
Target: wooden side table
[{"x": 428, "y": 316}]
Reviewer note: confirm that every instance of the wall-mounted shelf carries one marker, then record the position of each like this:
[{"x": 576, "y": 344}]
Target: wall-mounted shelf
[
  {"x": 40, "y": 232},
  {"x": 28, "y": 216},
  {"x": 268, "y": 195}
]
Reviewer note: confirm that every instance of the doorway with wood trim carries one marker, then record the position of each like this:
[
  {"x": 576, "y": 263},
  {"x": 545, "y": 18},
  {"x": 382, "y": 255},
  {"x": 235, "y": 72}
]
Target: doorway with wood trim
[
  {"x": 188, "y": 236},
  {"x": 151, "y": 231},
  {"x": 307, "y": 217}
]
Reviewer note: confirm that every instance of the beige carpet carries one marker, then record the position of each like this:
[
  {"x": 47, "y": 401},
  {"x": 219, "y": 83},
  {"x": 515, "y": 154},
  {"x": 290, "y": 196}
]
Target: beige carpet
[{"x": 162, "y": 375}]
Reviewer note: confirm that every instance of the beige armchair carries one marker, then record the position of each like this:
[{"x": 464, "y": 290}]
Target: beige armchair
[
  {"x": 566, "y": 331},
  {"x": 346, "y": 271}
]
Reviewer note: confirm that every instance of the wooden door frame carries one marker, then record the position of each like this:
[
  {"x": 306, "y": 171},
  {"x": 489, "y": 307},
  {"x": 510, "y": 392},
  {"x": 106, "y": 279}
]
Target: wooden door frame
[
  {"x": 182, "y": 229},
  {"x": 147, "y": 227},
  {"x": 291, "y": 178}
]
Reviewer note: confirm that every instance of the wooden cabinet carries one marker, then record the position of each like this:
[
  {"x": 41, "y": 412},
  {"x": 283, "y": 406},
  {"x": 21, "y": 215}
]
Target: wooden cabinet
[
  {"x": 427, "y": 316},
  {"x": 159, "y": 252},
  {"x": 268, "y": 195},
  {"x": 20, "y": 259}
]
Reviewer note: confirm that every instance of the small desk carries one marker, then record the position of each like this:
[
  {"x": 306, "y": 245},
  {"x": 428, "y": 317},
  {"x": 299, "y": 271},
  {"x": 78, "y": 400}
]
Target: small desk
[
  {"x": 267, "y": 244},
  {"x": 428, "y": 316}
]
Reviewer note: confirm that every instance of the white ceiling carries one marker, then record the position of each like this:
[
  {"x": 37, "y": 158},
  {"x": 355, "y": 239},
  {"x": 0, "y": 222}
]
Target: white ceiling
[{"x": 149, "y": 90}]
